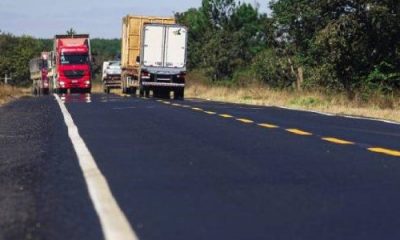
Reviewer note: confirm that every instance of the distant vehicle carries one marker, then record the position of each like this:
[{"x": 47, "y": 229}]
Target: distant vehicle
[
  {"x": 111, "y": 75},
  {"x": 153, "y": 56},
  {"x": 72, "y": 64},
  {"x": 38, "y": 73}
]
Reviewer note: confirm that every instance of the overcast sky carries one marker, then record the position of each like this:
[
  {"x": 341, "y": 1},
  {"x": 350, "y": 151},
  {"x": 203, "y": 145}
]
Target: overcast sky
[{"x": 100, "y": 18}]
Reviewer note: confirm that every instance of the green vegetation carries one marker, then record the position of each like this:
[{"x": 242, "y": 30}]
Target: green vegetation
[
  {"x": 344, "y": 46},
  {"x": 335, "y": 46},
  {"x": 16, "y": 52}
]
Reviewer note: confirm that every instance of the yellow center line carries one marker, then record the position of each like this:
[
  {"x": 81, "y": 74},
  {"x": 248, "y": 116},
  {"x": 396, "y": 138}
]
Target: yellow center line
[
  {"x": 338, "y": 141},
  {"x": 197, "y": 109},
  {"x": 266, "y": 125},
  {"x": 298, "y": 132},
  {"x": 386, "y": 151},
  {"x": 226, "y": 116},
  {"x": 243, "y": 120},
  {"x": 210, "y": 113}
]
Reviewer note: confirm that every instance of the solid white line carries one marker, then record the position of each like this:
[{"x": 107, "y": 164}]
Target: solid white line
[{"x": 113, "y": 222}]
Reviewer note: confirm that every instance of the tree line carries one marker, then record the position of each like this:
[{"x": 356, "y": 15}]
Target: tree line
[
  {"x": 16, "y": 52},
  {"x": 342, "y": 45}
]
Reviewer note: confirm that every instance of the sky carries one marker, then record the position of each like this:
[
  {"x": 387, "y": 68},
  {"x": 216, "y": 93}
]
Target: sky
[{"x": 99, "y": 18}]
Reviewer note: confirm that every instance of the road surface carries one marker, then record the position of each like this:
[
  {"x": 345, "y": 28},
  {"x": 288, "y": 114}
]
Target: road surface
[{"x": 162, "y": 169}]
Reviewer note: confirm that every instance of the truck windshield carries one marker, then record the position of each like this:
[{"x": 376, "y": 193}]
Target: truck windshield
[{"x": 67, "y": 59}]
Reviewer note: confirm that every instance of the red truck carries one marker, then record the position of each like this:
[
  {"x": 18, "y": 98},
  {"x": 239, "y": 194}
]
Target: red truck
[
  {"x": 71, "y": 64},
  {"x": 38, "y": 70}
]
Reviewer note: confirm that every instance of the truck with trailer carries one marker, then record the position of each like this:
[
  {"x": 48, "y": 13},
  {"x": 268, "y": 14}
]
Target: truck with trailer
[
  {"x": 111, "y": 75},
  {"x": 153, "y": 56},
  {"x": 39, "y": 68},
  {"x": 72, "y": 64}
]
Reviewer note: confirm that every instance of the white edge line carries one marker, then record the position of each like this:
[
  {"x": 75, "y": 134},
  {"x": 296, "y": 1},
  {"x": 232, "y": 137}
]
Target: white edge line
[
  {"x": 317, "y": 112},
  {"x": 113, "y": 222},
  {"x": 339, "y": 115}
]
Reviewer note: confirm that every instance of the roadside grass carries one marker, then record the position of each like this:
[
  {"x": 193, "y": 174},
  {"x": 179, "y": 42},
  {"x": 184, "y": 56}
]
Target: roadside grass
[
  {"x": 376, "y": 106},
  {"x": 97, "y": 87},
  {"x": 9, "y": 93}
]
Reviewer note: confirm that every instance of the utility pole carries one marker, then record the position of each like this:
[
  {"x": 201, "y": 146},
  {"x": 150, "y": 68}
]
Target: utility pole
[{"x": 7, "y": 78}]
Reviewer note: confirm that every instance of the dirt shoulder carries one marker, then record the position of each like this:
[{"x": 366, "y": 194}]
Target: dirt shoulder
[
  {"x": 384, "y": 108},
  {"x": 9, "y": 93}
]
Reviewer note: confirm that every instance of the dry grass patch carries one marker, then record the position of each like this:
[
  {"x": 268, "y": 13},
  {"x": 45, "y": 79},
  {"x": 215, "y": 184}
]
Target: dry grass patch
[
  {"x": 9, "y": 93},
  {"x": 375, "y": 107}
]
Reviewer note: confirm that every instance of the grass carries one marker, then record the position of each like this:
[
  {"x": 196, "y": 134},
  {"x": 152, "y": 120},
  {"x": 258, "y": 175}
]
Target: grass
[
  {"x": 379, "y": 107},
  {"x": 9, "y": 93}
]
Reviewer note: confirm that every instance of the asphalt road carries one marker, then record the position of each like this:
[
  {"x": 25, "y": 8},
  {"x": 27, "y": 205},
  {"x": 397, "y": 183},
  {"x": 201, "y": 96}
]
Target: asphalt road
[{"x": 198, "y": 169}]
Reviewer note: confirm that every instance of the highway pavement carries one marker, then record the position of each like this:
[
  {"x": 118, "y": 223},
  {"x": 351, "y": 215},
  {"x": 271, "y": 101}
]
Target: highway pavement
[{"x": 193, "y": 169}]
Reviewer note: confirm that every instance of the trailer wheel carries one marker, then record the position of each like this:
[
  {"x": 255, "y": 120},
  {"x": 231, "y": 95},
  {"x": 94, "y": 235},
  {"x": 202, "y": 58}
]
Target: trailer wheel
[{"x": 179, "y": 93}]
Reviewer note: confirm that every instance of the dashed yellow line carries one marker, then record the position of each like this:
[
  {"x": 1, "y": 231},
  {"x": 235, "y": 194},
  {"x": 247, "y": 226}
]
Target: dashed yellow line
[
  {"x": 385, "y": 151},
  {"x": 226, "y": 116},
  {"x": 266, "y": 125},
  {"x": 298, "y": 132},
  {"x": 338, "y": 141},
  {"x": 210, "y": 113},
  {"x": 243, "y": 120}
]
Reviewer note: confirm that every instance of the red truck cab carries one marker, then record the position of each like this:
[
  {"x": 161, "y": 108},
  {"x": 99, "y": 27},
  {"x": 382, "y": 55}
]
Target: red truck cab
[{"x": 72, "y": 63}]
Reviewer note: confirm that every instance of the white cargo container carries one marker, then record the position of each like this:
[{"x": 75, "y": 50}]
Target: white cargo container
[{"x": 153, "y": 56}]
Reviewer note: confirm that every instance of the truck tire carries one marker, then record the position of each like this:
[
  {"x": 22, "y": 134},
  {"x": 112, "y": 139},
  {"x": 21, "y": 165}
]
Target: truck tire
[{"x": 179, "y": 93}]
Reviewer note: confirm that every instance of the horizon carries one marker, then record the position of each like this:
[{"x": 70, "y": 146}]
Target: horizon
[{"x": 98, "y": 18}]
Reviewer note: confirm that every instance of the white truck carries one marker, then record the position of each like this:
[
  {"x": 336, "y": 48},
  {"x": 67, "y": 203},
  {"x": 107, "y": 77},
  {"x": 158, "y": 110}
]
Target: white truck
[
  {"x": 111, "y": 75},
  {"x": 154, "y": 52}
]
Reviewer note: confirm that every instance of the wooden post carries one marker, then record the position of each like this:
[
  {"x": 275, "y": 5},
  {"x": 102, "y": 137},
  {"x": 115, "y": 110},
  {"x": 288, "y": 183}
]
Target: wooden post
[{"x": 300, "y": 78}]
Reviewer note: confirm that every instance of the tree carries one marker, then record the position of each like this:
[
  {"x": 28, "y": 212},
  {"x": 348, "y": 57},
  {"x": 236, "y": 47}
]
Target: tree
[{"x": 71, "y": 32}]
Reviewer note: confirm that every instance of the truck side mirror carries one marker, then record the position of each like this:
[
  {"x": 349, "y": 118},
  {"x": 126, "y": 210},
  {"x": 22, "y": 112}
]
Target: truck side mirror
[{"x": 138, "y": 59}]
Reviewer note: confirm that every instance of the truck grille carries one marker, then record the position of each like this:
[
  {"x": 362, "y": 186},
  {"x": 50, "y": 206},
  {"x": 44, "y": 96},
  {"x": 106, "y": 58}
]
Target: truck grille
[{"x": 74, "y": 74}]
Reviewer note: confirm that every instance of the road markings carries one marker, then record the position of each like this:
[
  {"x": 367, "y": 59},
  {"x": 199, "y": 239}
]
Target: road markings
[
  {"x": 176, "y": 105},
  {"x": 385, "y": 151},
  {"x": 338, "y": 141},
  {"x": 243, "y": 120},
  {"x": 226, "y": 116},
  {"x": 113, "y": 222},
  {"x": 210, "y": 113},
  {"x": 298, "y": 132},
  {"x": 266, "y": 125},
  {"x": 294, "y": 131}
]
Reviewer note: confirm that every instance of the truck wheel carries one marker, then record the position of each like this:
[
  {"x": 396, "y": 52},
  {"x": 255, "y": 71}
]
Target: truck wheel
[
  {"x": 179, "y": 93},
  {"x": 146, "y": 92},
  {"x": 156, "y": 93}
]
